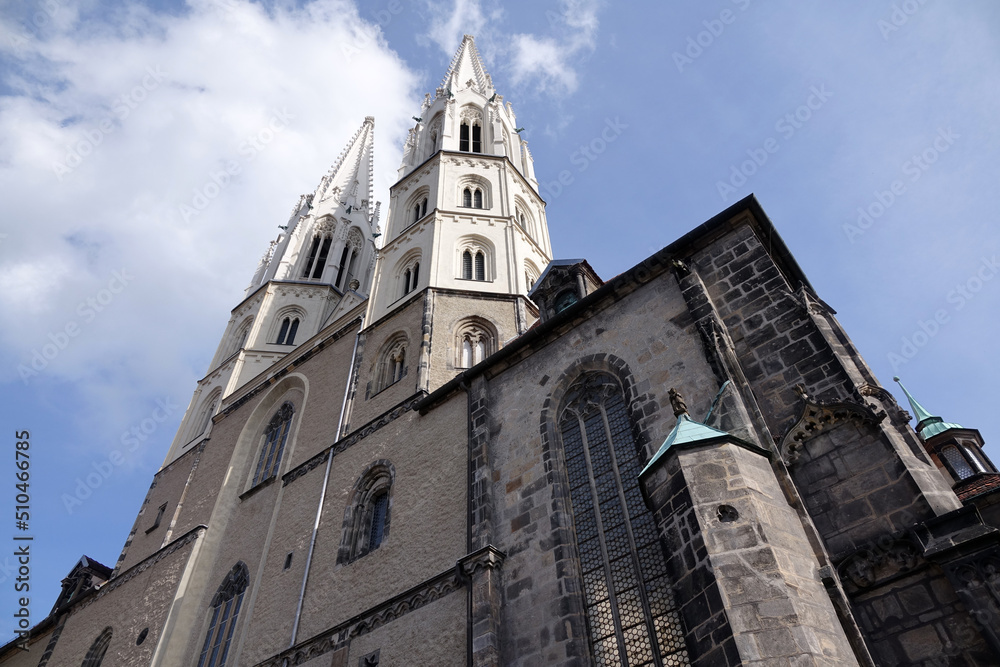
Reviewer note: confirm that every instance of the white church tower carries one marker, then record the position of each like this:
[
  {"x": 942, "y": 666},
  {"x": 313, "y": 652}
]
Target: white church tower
[
  {"x": 319, "y": 267},
  {"x": 466, "y": 213}
]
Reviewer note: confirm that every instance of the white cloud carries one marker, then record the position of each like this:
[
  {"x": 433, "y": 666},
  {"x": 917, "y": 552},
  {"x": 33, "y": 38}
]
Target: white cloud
[
  {"x": 110, "y": 126},
  {"x": 549, "y": 62},
  {"x": 448, "y": 25}
]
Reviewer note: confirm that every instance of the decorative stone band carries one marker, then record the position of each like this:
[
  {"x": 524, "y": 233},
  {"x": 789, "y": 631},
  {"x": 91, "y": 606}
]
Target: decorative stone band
[
  {"x": 819, "y": 417},
  {"x": 353, "y": 438},
  {"x": 489, "y": 557},
  {"x": 340, "y": 635}
]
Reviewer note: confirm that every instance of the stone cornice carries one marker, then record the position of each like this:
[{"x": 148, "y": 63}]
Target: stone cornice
[{"x": 339, "y": 635}]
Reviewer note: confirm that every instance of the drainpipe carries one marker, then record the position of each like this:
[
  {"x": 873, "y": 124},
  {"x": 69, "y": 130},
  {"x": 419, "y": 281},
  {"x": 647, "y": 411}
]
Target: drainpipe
[{"x": 322, "y": 493}]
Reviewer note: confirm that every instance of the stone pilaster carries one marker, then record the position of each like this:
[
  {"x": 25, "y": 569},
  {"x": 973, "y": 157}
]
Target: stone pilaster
[{"x": 482, "y": 568}]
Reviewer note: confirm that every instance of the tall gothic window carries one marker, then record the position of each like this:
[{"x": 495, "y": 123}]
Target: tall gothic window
[
  {"x": 316, "y": 262},
  {"x": 286, "y": 334},
  {"x": 225, "y": 612},
  {"x": 275, "y": 437},
  {"x": 467, "y": 198},
  {"x": 95, "y": 656},
  {"x": 470, "y": 137},
  {"x": 630, "y": 611}
]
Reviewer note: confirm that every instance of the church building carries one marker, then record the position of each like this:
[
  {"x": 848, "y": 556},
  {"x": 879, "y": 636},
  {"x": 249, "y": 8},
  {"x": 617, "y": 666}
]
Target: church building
[{"x": 434, "y": 443}]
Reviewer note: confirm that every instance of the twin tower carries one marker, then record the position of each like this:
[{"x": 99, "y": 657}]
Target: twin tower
[{"x": 466, "y": 234}]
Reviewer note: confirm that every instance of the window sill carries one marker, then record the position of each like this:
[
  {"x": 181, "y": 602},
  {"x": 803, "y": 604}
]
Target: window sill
[{"x": 254, "y": 489}]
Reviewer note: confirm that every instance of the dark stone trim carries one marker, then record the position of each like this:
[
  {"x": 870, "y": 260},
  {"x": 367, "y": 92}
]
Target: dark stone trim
[
  {"x": 342, "y": 444},
  {"x": 341, "y": 634},
  {"x": 260, "y": 485},
  {"x": 144, "y": 565}
]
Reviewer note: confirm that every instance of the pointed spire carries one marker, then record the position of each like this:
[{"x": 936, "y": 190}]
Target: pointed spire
[
  {"x": 467, "y": 66},
  {"x": 927, "y": 424},
  {"x": 352, "y": 176}
]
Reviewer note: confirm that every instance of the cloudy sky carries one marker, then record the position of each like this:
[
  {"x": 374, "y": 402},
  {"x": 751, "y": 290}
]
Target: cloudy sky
[{"x": 867, "y": 130}]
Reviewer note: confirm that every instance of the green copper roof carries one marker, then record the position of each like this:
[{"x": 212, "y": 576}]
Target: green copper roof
[
  {"x": 686, "y": 431},
  {"x": 928, "y": 425}
]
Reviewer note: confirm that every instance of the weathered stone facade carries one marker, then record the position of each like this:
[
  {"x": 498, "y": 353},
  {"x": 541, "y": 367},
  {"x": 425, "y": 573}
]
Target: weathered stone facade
[{"x": 452, "y": 473}]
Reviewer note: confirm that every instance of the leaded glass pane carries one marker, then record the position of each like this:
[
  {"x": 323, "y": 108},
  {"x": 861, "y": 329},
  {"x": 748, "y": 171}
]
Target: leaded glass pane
[{"x": 630, "y": 612}]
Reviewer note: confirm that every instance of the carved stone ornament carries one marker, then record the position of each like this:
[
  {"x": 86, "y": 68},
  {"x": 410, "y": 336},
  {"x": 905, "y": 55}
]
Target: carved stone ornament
[
  {"x": 884, "y": 559},
  {"x": 897, "y": 415},
  {"x": 487, "y": 558},
  {"x": 819, "y": 417}
]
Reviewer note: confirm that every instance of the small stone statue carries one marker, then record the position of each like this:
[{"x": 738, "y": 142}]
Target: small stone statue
[{"x": 677, "y": 403}]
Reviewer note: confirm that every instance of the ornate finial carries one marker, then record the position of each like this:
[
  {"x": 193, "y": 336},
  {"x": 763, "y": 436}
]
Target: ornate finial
[
  {"x": 801, "y": 391},
  {"x": 677, "y": 403}
]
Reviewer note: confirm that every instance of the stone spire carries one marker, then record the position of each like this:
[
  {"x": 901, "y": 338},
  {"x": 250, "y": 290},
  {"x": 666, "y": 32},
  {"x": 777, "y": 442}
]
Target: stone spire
[
  {"x": 467, "y": 67},
  {"x": 350, "y": 181}
]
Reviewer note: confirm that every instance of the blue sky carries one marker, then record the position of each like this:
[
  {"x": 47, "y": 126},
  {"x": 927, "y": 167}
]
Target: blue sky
[{"x": 867, "y": 130}]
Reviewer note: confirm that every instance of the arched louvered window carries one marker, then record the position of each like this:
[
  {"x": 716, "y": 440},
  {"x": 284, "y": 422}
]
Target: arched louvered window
[
  {"x": 475, "y": 339},
  {"x": 406, "y": 282},
  {"x": 275, "y": 437},
  {"x": 480, "y": 266},
  {"x": 423, "y": 207},
  {"x": 95, "y": 656},
  {"x": 225, "y": 612},
  {"x": 631, "y": 616},
  {"x": 467, "y": 265},
  {"x": 467, "y": 197},
  {"x": 477, "y": 198},
  {"x": 286, "y": 334},
  {"x": 470, "y": 137}
]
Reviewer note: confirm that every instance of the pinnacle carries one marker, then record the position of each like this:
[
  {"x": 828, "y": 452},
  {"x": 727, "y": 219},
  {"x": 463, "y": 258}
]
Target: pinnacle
[
  {"x": 467, "y": 66},
  {"x": 352, "y": 174}
]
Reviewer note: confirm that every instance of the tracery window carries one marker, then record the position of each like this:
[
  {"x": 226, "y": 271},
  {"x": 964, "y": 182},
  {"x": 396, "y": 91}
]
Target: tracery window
[
  {"x": 275, "y": 436},
  {"x": 366, "y": 520},
  {"x": 95, "y": 655},
  {"x": 391, "y": 364},
  {"x": 473, "y": 265},
  {"x": 470, "y": 138},
  {"x": 631, "y": 615},
  {"x": 225, "y": 612},
  {"x": 286, "y": 334},
  {"x": 475, "y": 340}
]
